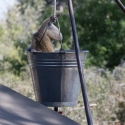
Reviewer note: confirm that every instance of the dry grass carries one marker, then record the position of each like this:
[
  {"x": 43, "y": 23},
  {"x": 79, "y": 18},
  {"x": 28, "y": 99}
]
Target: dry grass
[{"x": 106, "y": 92}]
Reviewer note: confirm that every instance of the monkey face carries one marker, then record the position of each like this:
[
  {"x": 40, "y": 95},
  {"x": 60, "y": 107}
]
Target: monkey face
[{"x": 54, "y": 33}]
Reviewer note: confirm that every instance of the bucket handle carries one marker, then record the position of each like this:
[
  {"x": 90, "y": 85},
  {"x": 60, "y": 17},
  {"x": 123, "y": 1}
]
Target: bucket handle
[{"x": 61, "y": 54}]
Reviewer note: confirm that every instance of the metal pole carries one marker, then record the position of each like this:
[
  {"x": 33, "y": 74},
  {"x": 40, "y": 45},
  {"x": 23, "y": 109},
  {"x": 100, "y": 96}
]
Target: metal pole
[
  {"x": 120, "y": 5},
  {"x": 80, "y": 68}
]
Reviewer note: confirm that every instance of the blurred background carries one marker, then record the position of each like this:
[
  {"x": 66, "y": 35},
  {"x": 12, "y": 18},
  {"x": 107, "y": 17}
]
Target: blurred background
[{"x": 101, "y": 30}]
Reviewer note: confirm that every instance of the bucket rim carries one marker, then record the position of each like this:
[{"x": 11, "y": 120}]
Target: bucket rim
[{"x": 57, "y": 51}]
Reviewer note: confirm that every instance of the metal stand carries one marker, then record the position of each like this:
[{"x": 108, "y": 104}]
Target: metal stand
[
  {"x": 80, "y": 68},
  {"x": 120, "y": 5}
]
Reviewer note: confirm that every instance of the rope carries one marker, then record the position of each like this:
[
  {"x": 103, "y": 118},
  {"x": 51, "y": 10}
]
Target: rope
[
  {"x": 56, "y": 19},
  {"x": 54, "y": 13},
  {"x": 61, "y": 48}
]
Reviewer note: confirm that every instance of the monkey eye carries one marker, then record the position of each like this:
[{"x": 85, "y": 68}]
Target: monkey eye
[{"x": 49, "y": 24}]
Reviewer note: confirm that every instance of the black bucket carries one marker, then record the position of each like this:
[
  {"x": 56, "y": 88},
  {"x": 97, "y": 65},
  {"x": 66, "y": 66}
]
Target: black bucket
[{"x": 55, "y": 77}]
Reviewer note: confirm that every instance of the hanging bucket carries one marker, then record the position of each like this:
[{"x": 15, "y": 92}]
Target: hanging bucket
[{"x": 55, "y": 77}]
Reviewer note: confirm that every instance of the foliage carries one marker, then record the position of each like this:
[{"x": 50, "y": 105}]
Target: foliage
[
  {"x": 18, "y": 29},
  {"x": 101, "y": 28},
  {"x": 58, "y": 2},
  {"x": 106, "y": 96},
  {"x": 106, "y": 91},
  {"x": 22, "y": 84},
  {"x": 35, "y": 5}
]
